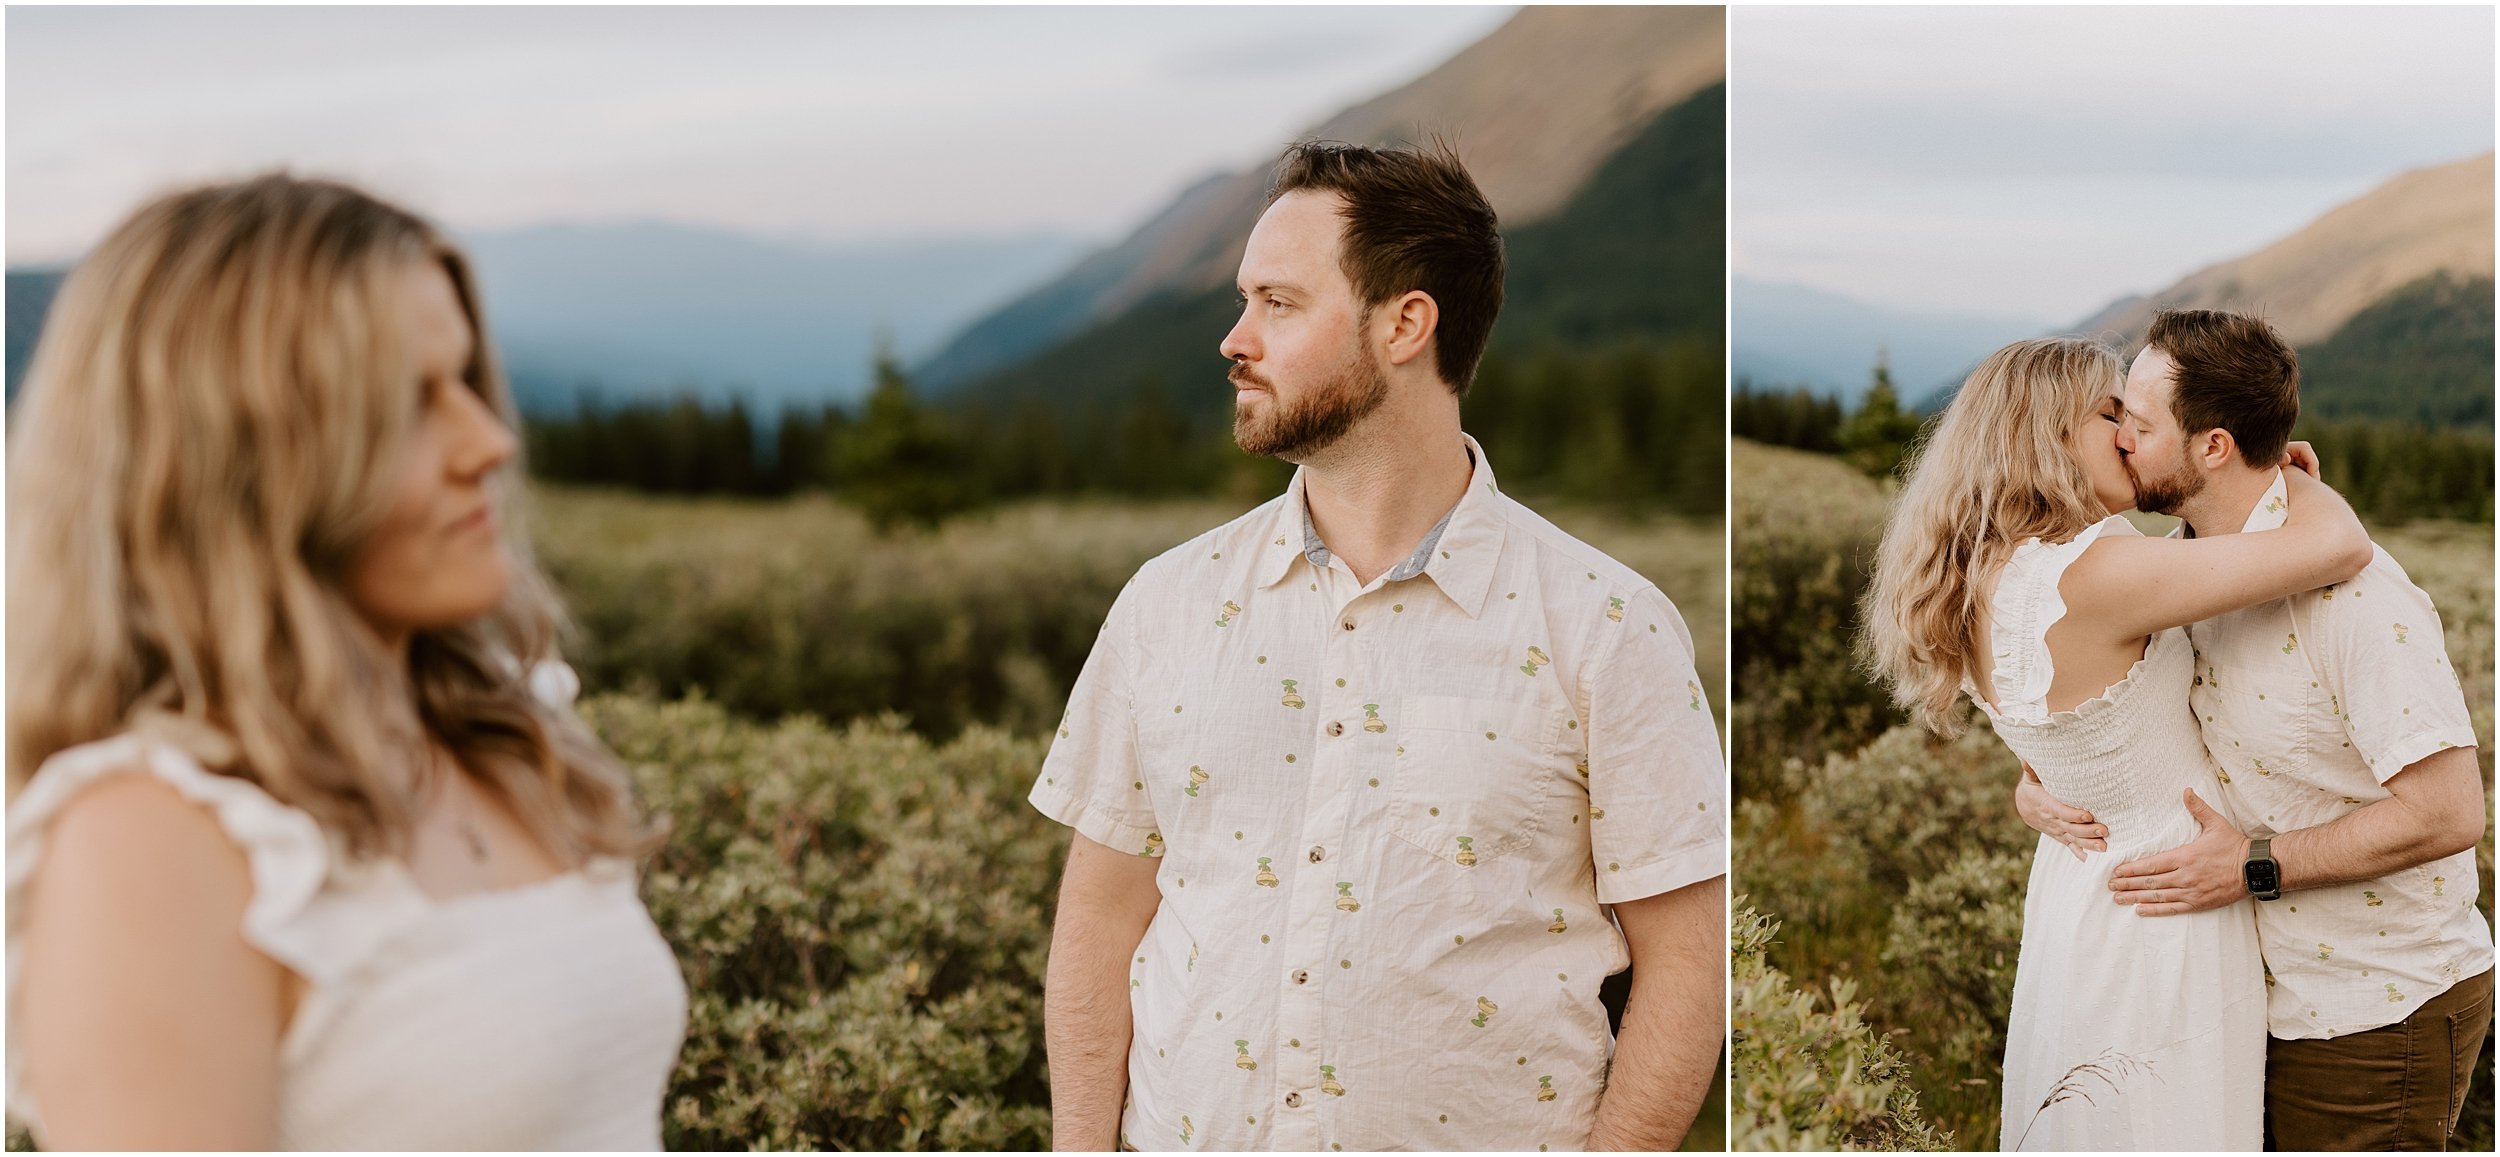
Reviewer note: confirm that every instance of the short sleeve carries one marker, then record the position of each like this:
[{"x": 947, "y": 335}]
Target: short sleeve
[
  {"x": 1657, "y": 787},
  {"x": 287, "y": 854},
  {"x": 2382, "y": 656},
  {"x": 1088, "y": 780}
]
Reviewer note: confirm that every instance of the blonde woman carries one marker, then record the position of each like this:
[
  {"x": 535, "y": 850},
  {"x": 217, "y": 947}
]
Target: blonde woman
[
  {"x": 2006, "y": 575},
  {"x": 296, "y": 858}
]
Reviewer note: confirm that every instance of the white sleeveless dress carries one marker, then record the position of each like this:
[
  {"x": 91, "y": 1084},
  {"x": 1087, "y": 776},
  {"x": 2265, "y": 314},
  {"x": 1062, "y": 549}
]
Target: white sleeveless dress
[
  {"x": 542, "y": 1017},
  {"x": 2146, "y": 1033}
]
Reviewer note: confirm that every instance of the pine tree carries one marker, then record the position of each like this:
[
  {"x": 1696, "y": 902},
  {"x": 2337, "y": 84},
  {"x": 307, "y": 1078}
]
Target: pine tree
[
  {"x": 899, "y": 462},
  {"x": 1876, "y": 438}
]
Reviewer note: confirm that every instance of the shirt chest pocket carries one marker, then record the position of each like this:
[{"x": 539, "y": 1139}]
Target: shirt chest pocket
[
  {"x": 2257, "y": 718},
  {"x": 1474, "y": 778}
]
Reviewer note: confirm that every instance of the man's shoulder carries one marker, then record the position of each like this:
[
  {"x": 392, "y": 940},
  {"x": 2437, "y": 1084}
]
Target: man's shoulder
[
  {"x": 1555, "y": 550},
  {"x": 1212, "y": 553},
  {"x": 2383, "y": 587}
]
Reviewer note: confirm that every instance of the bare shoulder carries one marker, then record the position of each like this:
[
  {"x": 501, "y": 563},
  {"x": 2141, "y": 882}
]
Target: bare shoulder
[{"x": 133, "y": 842}]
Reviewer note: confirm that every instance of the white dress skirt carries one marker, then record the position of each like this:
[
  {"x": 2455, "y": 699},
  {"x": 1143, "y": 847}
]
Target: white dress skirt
[{"x": 2127, "y": 1032}]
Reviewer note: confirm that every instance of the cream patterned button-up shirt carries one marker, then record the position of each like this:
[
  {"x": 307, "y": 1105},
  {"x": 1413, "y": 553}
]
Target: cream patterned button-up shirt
[
  {"x": 2309, "y": 705},
  {"x": 1389, "y": 817}
]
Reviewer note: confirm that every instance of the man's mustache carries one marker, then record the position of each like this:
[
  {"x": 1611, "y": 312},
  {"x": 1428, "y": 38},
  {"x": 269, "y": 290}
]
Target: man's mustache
[{"x": 1242, "y": 375}]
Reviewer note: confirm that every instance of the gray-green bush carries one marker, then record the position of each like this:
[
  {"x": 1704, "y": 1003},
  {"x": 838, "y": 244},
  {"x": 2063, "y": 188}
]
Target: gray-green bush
[
  {"x": 1807, "y": 1078},
  {"x": 862, "y": 918},
  {"x": 1894, "y": 859}
]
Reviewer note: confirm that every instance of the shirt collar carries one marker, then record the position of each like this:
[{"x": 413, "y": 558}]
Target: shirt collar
[
  {"x": 1458, "y": 553},
  {"x": 2272, "y": 509}
]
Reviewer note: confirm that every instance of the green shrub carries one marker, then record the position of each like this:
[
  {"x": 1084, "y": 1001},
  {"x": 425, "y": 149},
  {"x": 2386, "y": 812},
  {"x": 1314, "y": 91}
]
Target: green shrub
[
  {"x": 1804, "y": 528},
  {"x": 1894, "y": 858},
  {"x": 1959, "y": 932},
  {"x": 1809, "y": 1079},
  {"x": 779, "y": 607},
  {"x": 862, "y": 919}
]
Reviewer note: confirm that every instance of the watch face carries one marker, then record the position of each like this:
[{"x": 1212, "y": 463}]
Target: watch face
[{"x": 2261, "y": 875}]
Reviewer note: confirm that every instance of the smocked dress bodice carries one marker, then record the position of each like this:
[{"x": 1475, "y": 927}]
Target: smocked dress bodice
[{"x": 2159, "y": 1019}]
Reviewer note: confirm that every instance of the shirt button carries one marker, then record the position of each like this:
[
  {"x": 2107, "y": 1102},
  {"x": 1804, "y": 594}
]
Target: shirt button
[
  {"x": 1318, "y": 854},
  {"x": 1348, "y": 624},
  {"x": 1336, "y": 728},
  {"x": 1301, "y": 976},
  {"x": 1293, "y": 1100}
]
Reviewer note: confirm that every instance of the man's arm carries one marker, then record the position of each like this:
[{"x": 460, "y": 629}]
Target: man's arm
[
  {"x": 2436, "y": 810},
  {"x": 1106, "y": 899},
  {"x": 1675, "y": 1023}
]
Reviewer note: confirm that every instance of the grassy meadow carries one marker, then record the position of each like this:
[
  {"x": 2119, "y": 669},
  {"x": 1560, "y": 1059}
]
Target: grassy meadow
[
  {"x": 840, "y": 728},
  {"x": 1880, "y": 872}
]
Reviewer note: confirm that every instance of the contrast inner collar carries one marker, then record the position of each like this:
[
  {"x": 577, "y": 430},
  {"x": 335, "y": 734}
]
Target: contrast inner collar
[
  {"x": 1458, "y": 553},
  {"x": 2272, "y": 509}
]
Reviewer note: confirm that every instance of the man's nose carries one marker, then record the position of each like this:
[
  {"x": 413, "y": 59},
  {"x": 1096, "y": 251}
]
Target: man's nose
[{"x": 1242, "y": 343}]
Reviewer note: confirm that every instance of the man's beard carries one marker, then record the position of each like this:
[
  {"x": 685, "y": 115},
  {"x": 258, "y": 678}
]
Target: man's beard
[
  {"x": 1312, "y": 422},
  {"x": 2164, "y": 495}
]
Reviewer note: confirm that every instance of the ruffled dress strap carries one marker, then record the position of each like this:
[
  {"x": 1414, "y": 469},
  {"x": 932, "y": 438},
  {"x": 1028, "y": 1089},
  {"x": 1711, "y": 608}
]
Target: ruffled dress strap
[
  {"x": 2025, "y": 604},
  {"x": 290, "y": 859}
]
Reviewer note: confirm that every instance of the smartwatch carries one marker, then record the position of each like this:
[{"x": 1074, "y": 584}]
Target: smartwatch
[{"x": 2264, "y": 881}]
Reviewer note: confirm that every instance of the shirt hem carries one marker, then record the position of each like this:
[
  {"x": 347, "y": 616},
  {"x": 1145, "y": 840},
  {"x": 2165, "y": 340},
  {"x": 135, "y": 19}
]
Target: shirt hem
[
  {"x": 1064, "y": 808},
  {"x": 1690, "y": 866}
]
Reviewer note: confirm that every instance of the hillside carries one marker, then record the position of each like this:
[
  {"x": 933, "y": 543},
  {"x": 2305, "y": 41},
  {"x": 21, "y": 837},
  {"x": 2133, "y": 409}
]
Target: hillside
[
  {"x": 1537, "y": 107},
  {"x": 2422, "y": 354},
  {"x": 645, "y": 309},
  {"x": 1793, "y": 335},
  {"x": 2423, "y": 222},
  {"x": 29, "y": 298},
  {"x": 1636, "y": 255},
  {"x": 2388, "y": 298}
]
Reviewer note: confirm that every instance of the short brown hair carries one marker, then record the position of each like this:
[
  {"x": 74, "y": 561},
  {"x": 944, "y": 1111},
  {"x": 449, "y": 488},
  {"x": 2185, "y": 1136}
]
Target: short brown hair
[
  {"x": 1414, "y": 220},
  {"x": 2234, "y": 373}
]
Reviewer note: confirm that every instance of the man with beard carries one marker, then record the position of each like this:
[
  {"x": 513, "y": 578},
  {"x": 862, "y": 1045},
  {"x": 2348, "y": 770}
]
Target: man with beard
[
  {"x": 2347, "y": 767},
  {"x": 1374, "y": 785}
]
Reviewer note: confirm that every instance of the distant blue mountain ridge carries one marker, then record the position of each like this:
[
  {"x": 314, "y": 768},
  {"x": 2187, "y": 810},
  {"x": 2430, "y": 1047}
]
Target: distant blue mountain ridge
[
  {"x": 1792, "y": 335},
  {"x": 637, "y": 310}
]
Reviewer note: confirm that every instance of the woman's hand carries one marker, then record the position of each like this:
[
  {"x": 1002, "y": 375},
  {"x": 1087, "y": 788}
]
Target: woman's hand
[
  {"x": 2303, "y": 457},
  {"x": 2071, "y": 826}
]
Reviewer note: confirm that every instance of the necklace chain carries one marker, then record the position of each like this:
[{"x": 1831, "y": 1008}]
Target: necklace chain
[{"x": 462, "y": 816}]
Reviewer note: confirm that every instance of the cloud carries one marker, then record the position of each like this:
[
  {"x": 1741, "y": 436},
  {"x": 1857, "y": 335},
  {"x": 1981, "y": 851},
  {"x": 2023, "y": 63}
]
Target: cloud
[
  {"x": 836, "y": 124},
  {"x": 2048, "y": 160}
]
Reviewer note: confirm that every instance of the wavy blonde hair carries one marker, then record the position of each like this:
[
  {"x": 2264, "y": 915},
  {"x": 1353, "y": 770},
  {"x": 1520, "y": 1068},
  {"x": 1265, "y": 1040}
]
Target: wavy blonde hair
[
  {"x": 210, "y": 429},
  {"x": 1996, "y": 469}
]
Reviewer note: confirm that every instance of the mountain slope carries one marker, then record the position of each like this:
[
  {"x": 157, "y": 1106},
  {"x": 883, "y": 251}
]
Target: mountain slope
[
  {"x": 2420, "y": 223},
  {"x": 1792, "y": 335},
  {"x": 651, "y": 308},
  {"x": 2421, "y": 355},
  {"x": 1637, "y": 255},
  {"x": 30, "y": 293},
  {"x": 1536, "y": 108}
]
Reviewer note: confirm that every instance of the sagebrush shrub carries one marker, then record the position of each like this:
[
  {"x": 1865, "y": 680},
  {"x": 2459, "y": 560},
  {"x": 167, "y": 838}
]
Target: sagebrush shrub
[
  {"x": 1807, "y": 1078},
  {"x": 862, "y": 918}
]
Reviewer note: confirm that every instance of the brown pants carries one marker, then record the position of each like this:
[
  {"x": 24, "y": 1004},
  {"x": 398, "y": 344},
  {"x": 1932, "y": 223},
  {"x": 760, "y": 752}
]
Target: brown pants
[{"x": 2400, "y": 1086}]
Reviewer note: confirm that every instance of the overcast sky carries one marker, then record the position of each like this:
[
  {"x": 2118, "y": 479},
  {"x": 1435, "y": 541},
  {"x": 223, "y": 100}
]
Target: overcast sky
[
  {"x": 828, "y": 124},
  {"x": 2041, "y": 162}
]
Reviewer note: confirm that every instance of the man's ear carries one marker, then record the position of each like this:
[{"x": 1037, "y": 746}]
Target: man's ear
[
  {"x": 1410, "y": 321},
  {"x": 2213, "y": 449}
]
